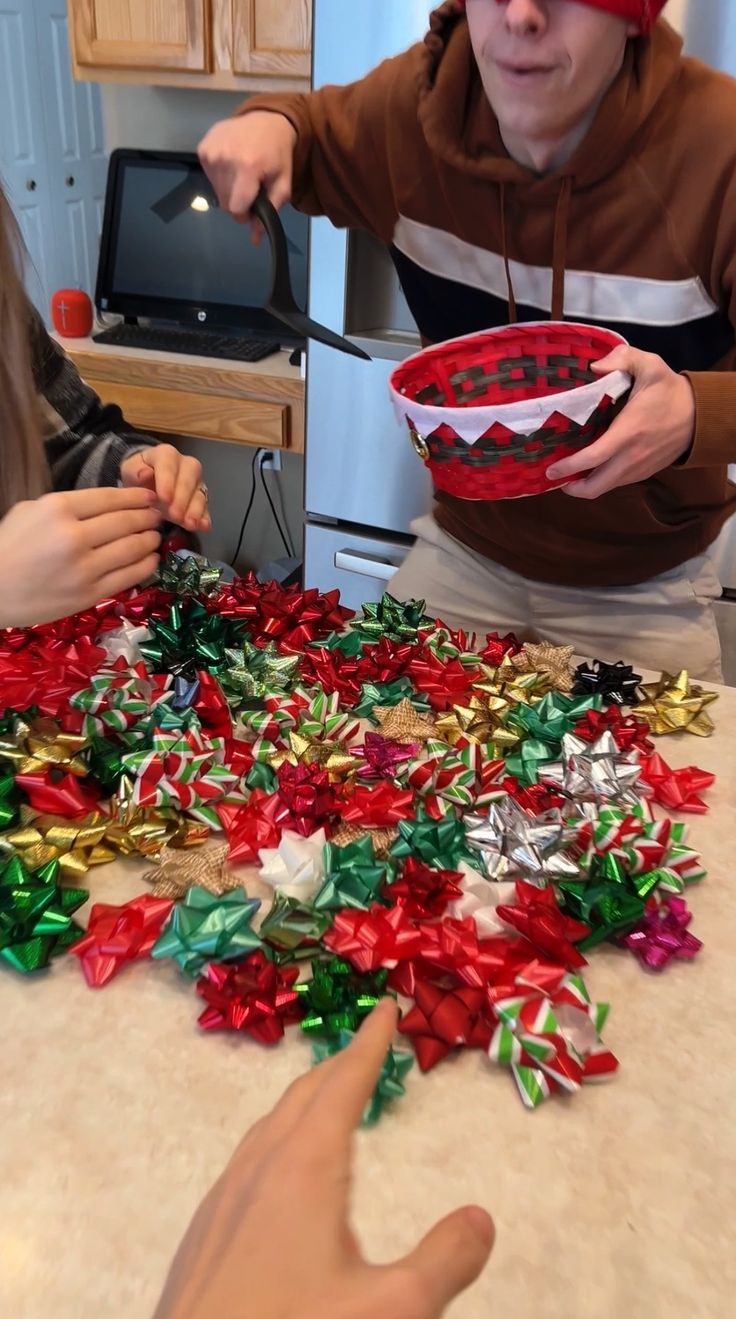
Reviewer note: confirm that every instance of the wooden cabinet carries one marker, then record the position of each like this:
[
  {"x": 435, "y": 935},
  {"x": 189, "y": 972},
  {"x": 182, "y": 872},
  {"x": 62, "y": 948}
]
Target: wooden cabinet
[
  {"x": 247, "y": 45},
  {"x": 142, "y": 34},
  {"x": 273, "y": 37}
]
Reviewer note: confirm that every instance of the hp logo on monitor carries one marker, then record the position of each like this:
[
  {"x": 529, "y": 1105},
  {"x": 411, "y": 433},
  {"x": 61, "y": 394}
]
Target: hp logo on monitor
[{"x": 201, "y": 316}]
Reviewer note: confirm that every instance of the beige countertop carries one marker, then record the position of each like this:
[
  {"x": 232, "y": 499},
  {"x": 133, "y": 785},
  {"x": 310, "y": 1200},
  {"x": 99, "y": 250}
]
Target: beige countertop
[{"x": 117, "y": 1113}]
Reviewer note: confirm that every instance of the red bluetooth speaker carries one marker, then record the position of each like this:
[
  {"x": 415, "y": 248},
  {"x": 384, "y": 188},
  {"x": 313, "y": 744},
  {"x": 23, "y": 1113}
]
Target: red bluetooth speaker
[{"x": 71, "y": 312}]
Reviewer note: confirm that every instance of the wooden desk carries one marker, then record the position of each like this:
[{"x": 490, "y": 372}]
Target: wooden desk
[{"x": 259, "y": 403}]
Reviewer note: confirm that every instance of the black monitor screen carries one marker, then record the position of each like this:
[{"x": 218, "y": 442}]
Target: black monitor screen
[{"x": 173, "y": 243}]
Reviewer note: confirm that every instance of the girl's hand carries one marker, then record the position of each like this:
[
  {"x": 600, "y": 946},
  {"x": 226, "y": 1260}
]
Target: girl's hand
[
  {"x": 176, "y": 481},
  {"x": 66, "y": 551}
]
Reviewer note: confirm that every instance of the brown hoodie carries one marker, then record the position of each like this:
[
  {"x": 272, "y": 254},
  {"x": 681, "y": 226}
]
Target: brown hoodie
[{"x": 636, "y": 232}]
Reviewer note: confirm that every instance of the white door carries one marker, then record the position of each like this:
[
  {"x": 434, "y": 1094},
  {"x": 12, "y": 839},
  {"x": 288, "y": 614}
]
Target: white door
[
  {"x": 77, "y": 161},
  {"x": 23, "y": 160},
  {"x": 52, "y": 158}
]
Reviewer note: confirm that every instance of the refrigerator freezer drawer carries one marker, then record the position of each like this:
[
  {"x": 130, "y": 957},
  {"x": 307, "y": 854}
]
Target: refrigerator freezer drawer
[{"x": 361, "y": 567}]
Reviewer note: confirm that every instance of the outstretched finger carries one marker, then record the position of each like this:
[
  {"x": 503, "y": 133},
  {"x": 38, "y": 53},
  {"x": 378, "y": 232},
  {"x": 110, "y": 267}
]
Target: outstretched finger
[
  {"x": 307, "y": 1096},
  {"x": 349, "y": 1078}
]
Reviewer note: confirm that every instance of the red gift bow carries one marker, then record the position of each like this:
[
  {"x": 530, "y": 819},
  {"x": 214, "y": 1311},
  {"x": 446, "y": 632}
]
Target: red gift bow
[
  {"x": 497, "y": 648},
  {"x": 443, "y": 1020},
  {"x": 676, "y": 789},
  {"x": 84, "y": 626},
  {"x": 255, "y": 825},
  {"x": 629, "y": 733},
  {"x": 212, "y": 707},
  {"x": 287, "y": 615},
  {"x": 454, "y": 946},
  {"x": 536, "y": 915},
  {"x": 379, "y": 662},
  {"x": 536, "y": 798},
  {"x": 523, "y": 972},
  {"x": 385, "y": 660},
  {"x": 374, "y": 938},
  {"x": 142, "y": 606},
  {"x": 307, "y": 793},
  {"x": 116, "y": 935},
  {"x": 53, "y": 793},
  {"x": 423, "y": 892},
  {"x": 253, "y": 995},
  {"x": 333, "y": 672},
  {"x": 46, "y": 673},
  {"x": 451, "y": 951},
  {"x": 237, "y": 755},
  {"x": 444, "y": 682},
  {"x": 380, "y": 806}
]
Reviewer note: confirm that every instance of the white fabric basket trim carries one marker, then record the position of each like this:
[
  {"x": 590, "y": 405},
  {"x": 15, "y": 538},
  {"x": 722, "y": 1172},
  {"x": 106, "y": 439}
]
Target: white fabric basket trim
[{"x": 523, "y": 417}]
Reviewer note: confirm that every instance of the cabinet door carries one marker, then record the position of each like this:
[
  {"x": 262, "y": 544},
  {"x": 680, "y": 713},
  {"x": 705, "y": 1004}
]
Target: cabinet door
[
  {"x": 141, "y": 34},
  {"x": 272, "y": 38}
]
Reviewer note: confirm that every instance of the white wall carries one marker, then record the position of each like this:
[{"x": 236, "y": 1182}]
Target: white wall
[{"x": 174, "y": 118}]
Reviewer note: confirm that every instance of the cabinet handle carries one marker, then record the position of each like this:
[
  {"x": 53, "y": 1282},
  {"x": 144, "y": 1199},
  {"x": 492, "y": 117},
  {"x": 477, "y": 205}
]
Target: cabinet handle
[
  {"x": 70, "y": 180},
  {"x": 365, "y": 564},
  {"x": 31, "y": 185}
]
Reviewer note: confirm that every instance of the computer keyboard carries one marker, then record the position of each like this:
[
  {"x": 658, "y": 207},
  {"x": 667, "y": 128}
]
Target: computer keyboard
[{"x": 199, "y": 343}]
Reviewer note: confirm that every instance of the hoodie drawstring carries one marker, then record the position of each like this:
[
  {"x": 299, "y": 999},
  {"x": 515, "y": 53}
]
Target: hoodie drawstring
[
  {"x": 505, "y": 254},
  {"x": 559, "y": 251}
]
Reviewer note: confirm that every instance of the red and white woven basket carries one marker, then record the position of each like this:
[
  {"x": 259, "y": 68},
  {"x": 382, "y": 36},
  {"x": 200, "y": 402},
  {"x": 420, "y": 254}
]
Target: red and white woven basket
[{"x": 489, "y": 413}]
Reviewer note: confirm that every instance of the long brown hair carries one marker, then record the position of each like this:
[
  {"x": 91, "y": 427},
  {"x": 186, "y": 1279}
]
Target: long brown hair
[{"x": 23, "y": 470}]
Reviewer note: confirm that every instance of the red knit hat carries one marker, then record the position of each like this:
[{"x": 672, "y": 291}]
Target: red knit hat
[{"x": 643, "y": 12}]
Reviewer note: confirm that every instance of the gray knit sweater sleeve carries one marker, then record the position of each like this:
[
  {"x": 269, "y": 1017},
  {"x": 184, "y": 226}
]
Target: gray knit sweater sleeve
[{"x": 86, "y": 440}]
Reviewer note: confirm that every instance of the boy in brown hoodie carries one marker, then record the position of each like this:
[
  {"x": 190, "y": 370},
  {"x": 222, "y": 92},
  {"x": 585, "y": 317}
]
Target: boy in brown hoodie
[{"x": 533, "y": 159}]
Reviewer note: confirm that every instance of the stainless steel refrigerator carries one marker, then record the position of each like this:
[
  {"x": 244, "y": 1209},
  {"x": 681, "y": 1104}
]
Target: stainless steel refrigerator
[{"x": 364, "y": 483}]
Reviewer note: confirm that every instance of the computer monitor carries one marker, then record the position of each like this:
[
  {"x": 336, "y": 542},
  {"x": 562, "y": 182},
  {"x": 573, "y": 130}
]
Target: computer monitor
[{"x": 168, "y": 252}]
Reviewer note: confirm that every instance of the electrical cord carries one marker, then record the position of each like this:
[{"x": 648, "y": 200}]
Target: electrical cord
[
  {"x": 247, "y": 513},
  {"x": 259, "y": 457},
  {"x": 276, "y": 518}
]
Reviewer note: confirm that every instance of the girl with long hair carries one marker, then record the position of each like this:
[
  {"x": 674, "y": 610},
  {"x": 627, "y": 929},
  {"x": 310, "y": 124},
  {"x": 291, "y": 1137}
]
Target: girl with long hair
[{"x": 82, "y": 495}]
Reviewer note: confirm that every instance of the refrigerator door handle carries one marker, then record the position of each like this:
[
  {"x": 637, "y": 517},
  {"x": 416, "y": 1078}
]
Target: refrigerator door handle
[{"x": 365, "y": 564}]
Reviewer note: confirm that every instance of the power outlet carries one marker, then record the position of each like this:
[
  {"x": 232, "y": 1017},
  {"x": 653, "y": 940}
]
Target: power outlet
[{"x": 271, "y": 460}]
